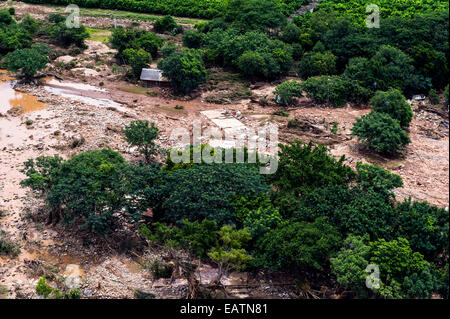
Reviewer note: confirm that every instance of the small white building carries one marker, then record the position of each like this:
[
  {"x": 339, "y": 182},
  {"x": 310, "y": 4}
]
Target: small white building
[{"x": 153, "y": 77}]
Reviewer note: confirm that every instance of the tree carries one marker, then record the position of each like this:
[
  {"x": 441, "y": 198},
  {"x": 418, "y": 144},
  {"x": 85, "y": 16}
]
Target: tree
[
  {"x": 349, "y": 265},
  {"x": 26, "y": 62},
  {"x": 185, "y": 70},
  {"x": 286, "y": 91},
  {"x": 207, "y": 191},
  {"x": 230, "y": 254},
  {"x": 63, "y": 35},
  {"x": 381, "y": 133},
  {"x": 317, "y": 63},
  {"x": 433, "y": 96},
  {"x": 149, "y": 42},
  {"x": 335, "y": 90},
  {"x": 261, "y": 15},
  {"x": 166, "y": 24},
  {"x": 251, "y": 64},
  {"x": 137, "y": 59},
  {"x": 298, "y": 245},
  {"x": 291, "y": 33},
  {"x": 192, "y": 39},
  {"x": 303, "y": 167},
  {"x": 377, "y": 178},
  {"x": 393, "y": 103},
  {"x": 140, "y": 134},
  {"x": 425, "y": 226}
]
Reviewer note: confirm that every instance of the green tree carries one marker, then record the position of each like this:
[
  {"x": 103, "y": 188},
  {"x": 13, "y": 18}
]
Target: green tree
[
  {"x": 207, "y": 191},
  {"x": 143, "y": 136},
  {"x": 377, "y": 178},
  {"x": 65, "y": 36},
  {"x": 26, "y": 62},
  {"x": 252, "y": 65},
  {"x": 230, "y": 254},
  {"x": 393, "y": 103},
  {"x": 298, "y": 245},
  {"x": 317, "y": 63},
  {"x": 425, "y": 226},
  {"x": 349, "y": 265},
  {"x": 185, "y": 70},
  {"x": 286, "y": 91},
  {"x": 303, "y": 167},
  {"x": 434, "y": 97},
  {"x": 192, "y": 39},
  {"x": 166, "y": 24},
  {"x": 381, "y": 133},
  {"x": 137, "y": 59},
  {"x": 261, "y": 15}
]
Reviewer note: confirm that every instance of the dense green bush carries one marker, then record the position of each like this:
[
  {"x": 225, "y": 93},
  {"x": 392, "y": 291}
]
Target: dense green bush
[
  {"x": 26, "y": 62},
  {"x": 298, "y": 245},
  {"x": 286, "y": 91},
  {"x": 96, "y": 188},
  {"x": 166, "y": 24},
  {"x": 138, "y": 60},
  {"x": 381, "y": 133},
  {"x": 393, "y": 103},
  {"x": 192, "y": 39},
  {"x": 62, "y": 35},
  {"x": 207, "y": 191},
  {"x": 185, "y": 70},
  {"x": 129, "y": 38},
  {"x": 425, "y": 226},
  {"x": 304, "y": 167},
  {"x": 335, "y": 90},
  {"x": 317, "y": 63}
]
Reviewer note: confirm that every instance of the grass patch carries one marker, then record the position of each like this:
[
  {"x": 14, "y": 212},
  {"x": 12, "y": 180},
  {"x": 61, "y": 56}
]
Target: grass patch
[
  {"x": 100, "y": 35},
  {"x": 135, "y": 89}
]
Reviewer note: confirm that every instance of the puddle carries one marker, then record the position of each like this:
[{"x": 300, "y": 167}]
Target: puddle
[{"x": 10, "y": 98}]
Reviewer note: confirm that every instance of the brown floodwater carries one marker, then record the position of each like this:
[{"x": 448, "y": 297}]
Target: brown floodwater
[{"x": 10, "y": 98}]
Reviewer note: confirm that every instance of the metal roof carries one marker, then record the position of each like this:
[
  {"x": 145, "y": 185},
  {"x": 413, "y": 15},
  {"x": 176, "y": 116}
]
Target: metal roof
[{"x": 152, "y": 75}]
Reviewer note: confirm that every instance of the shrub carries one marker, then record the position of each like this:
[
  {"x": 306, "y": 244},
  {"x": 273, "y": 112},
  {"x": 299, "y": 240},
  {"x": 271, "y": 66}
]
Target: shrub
[
  {"x": 26, "y": 62},
  {"x": 166, "y": 24},
  {"x": 205, "y": 191},
  {"x": 65, "y": 36},
  {"x": 298, "y": 245},
  {"x": 334, "y": 90},
  {"x": 349, "y": 265},
  {"x": 317, "y": 63},
  {"x": 192, "y": 39},
  {"x": 252, "y": 64},
  {"x": 140, "y": 134},
  {"x": 56, "y": 18},
  {"x": 230, "y": 254},
  {"x": 381, "y": 133},
  {"x": 434, "y": 97},
  {"x": 286, "y": 91},
  {"x": 425, "y": 226},
  {"x": 42, "y": 289},
  {"x": 304, "y": 167},
  {"x": 185, "y": 70},
  {"x": 393, "y": 103},
  {"x": 137, "y": 59},
  {"x": 377, "y": 178}
]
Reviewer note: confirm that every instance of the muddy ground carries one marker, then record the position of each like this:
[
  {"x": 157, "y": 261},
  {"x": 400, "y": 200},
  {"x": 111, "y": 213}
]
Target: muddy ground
[{"x": 105, "y": 272}]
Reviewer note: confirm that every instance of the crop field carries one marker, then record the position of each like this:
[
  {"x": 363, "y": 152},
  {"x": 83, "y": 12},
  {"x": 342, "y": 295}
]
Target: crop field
[
  {"x": 186, "y": 8},
  {"x": 404, "y": 8}
]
